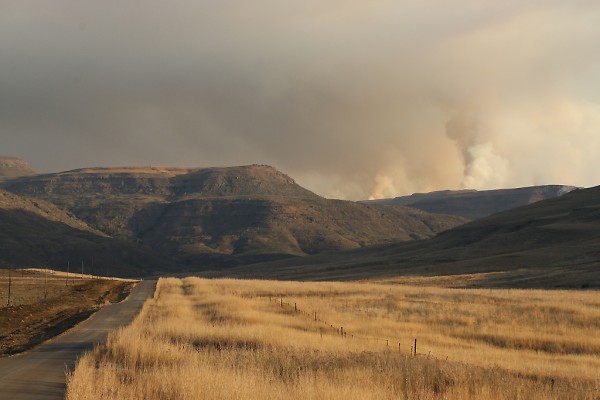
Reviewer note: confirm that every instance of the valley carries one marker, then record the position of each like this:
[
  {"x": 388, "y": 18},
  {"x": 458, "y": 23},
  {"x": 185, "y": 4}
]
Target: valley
[{"x": 549, "y": 244}]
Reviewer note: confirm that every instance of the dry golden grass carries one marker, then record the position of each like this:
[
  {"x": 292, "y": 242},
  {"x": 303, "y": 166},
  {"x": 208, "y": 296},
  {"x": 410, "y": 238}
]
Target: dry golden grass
[
  {"x": 224, "y": 339},
  {"x": 32, "y": 285}
]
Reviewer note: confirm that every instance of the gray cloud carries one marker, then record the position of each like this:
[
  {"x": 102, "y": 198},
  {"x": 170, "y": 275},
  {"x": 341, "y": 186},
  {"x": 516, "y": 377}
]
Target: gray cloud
[{"x": 353, "y": 100}]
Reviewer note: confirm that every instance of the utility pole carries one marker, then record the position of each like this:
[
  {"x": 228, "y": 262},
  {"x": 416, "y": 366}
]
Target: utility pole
[{"x": 9, "y": 284}]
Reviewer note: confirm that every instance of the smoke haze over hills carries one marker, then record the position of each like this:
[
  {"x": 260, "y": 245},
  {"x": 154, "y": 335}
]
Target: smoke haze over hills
[{"x": 355, "y": 100}]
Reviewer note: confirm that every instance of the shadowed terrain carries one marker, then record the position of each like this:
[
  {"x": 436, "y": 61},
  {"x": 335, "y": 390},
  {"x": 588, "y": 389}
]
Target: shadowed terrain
[
  {"x": 552, "y": 243},
  {"x": 224, "y": 215},
  {"x": 36, "y": 233},
  {"x": 475, "y": 204}
]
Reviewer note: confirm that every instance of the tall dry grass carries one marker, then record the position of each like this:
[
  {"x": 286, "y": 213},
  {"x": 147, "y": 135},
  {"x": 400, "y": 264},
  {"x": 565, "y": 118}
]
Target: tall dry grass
[{"x": 224, "y": 339}]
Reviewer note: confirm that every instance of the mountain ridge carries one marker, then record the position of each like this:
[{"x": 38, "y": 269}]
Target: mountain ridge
[
  {"x": 197, "y": 214},
  {"x": 474, "y": 204},
  {"x": 551, "y": 243}
]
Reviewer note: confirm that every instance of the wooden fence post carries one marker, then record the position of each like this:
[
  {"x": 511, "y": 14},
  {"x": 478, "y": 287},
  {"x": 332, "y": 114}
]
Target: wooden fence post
[
  {"x": 45, "y": 283},
  {"x": 9, "y": 285},
  {"x": 295, "y": 308},
  {"x": 415, "y": 347}
]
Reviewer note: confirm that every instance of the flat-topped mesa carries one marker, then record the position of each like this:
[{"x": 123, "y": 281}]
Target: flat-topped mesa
[
  {"x": 244, "y": 181},
  {"x": 165, "y": 182},
  {"x": 13, "y": 167}
]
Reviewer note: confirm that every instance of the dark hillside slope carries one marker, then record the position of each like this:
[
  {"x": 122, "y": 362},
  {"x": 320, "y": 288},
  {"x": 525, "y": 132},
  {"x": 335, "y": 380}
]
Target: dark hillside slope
[
  {"x": 475, "y": 204},
  {"x": 108, "y": 198},
  {"x": 276, "y": 225},
  {"x": 35, "y": 233},
  {"x": 552, "y": 243}
]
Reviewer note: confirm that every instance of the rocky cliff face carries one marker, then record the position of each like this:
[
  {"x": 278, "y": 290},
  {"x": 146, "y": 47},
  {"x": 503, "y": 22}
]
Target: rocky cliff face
[{"x": 12, "y": 167}]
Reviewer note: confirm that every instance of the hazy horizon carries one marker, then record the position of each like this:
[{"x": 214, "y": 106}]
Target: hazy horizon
[{"x": 353, "y": 101}]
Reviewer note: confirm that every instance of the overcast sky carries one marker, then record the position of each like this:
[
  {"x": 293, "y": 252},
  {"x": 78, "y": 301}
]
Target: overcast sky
[{"x": 354, "y": 99}]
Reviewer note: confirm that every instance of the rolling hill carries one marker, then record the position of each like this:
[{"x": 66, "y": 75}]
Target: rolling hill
[
  {"x": 36, "y": 233},
  {"x": 224, "y": 215},
  {"x": 551, "y": 243},
  {"x": 475, "y": 204}
]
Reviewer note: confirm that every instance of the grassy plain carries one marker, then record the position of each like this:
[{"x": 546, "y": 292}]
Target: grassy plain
[{"x": 233, "y": 339}]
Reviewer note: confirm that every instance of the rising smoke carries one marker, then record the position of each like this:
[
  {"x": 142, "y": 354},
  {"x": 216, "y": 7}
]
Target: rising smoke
[{"x": 354, "y": 100}]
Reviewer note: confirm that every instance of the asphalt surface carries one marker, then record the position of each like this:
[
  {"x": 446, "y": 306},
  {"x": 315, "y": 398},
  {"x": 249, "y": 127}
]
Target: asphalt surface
[{"x": 40, "y": 372}]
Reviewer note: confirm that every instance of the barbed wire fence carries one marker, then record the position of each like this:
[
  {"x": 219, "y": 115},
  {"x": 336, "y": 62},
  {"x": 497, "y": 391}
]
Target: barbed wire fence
[
  {"x": 18, "y": 285},
  {"x": 391, "y": 344}
]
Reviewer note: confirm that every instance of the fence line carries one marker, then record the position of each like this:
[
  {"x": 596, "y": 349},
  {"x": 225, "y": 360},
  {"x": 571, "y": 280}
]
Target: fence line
[
  {"x": 16, "y": 288},
  {"x": 343, "y": 333}
]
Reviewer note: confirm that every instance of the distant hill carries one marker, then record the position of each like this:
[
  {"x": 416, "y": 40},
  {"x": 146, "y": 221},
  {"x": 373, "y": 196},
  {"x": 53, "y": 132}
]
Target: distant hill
[
  {"x": 475, "y": 204},
  {"x": 224, "y": 215},
  {"x": 551, "y": 243},
  {"x": 36, "y": 233},
  {"x": 12, "y": 167}
]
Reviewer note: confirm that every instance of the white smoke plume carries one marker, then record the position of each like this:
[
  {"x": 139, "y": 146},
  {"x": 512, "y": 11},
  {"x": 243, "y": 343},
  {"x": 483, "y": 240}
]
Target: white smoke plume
[
  {"x": 485, "y": 168},
  {"x": 353, "y": 99}
]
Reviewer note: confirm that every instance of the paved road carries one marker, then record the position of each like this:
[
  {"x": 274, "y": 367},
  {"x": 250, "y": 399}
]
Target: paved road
[{"x": 40, "y": 373}]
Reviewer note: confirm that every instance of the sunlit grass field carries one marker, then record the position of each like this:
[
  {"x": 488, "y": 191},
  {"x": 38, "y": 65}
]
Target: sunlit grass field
[{"x": 228, "y": 339}]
